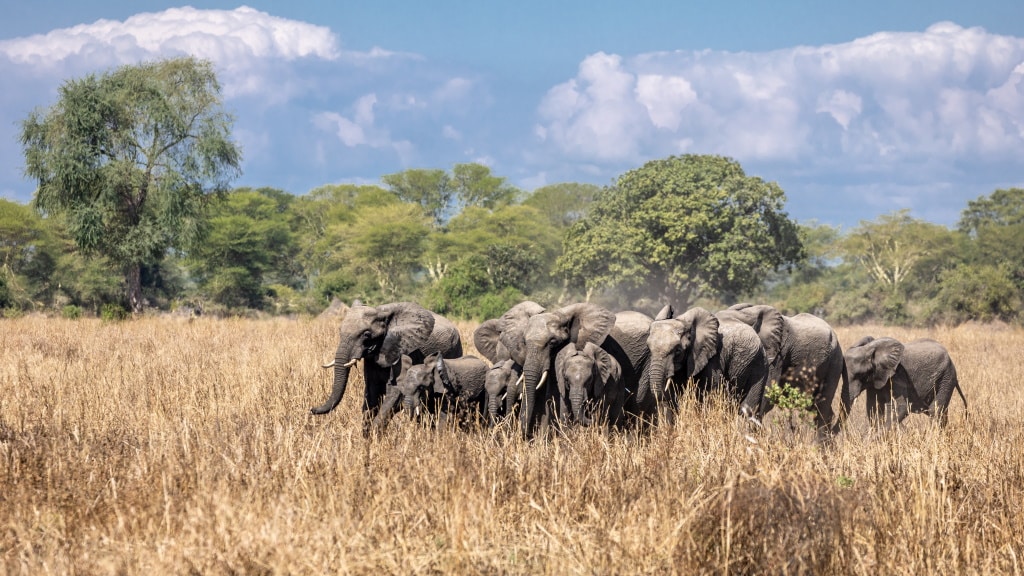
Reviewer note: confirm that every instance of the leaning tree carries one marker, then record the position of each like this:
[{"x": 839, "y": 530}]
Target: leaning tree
[
  {"x": 131, "y": 158},
  {"x": 680, "y": 227}
]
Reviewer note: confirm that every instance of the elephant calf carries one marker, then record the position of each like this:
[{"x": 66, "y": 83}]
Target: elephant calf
[
  {"x": 503, "y": 385},
  {"x": 590, "y": 385},
  {"x": 918, "y": 376},
  {"x": 445, "y": 386}
]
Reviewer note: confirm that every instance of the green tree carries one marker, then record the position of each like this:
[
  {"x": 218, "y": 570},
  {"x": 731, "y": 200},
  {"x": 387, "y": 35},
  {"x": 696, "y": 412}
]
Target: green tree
[
  {"x": 682, "y": 227},
  {"x": 995, "y": 226},
  {"x": 248, "y": 241},
  {"x": 564, "y": 203},
  {"x": 432, "y": 190},
  {"x": 475, "y": 185},
  {"x": 897, "y": 248},
  {"x": 27, "y": 256},
  {"x": 982, "y": 293},
  {"x": 130, "y": 156}
]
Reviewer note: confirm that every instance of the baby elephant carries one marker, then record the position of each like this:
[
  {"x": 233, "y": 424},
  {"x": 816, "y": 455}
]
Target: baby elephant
[
  {"x": 590, "y": 385},
  {"x": 445, "y": 387},
  {"x": 504, "y": 385},
  {"x": 919, "y": 376}
]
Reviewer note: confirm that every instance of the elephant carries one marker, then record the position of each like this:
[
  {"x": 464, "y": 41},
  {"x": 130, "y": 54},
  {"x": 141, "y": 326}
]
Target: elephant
[
  {"x": 590, "y": 385},
  {"x": 916, "y": 377},
  {"x": 380, "y": 336},
  {"x": 532, "y": 336},
  {"x": 503, "y": 386},
  {"x": 445, "y": 387},
  {"x": 802, "y": 351},
  {"x": 712, "y": 352}
]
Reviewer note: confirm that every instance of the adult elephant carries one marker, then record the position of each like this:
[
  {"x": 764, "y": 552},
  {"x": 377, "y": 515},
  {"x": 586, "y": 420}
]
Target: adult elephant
[
  {"x": 380, "y": 336},
  {"x": 900, "y": 379},
  {"x": 802, "y": 351},
  {"x": 712, "y": 352},
  {"x": 533, "y": 336}
]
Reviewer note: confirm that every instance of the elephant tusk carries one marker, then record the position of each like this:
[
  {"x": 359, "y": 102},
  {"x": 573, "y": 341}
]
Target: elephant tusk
[
  {"x": 519, "y": 382},
  {"x": 346, "y": 365},
  {"x": 668, "y": 384},
  {"x": 543, "y": 377},
  {"x": 502, "y": 399}
]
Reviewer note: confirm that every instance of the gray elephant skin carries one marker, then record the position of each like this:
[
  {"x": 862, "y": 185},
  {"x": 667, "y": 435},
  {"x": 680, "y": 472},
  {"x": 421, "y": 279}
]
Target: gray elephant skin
[
  {"x": 590, "y": 386},
  {"x": 504, "y": 380},
  {"x": 380, "y": 336},
  {"x": 533, "y": 336},
  {"x": 900, "y": 379},
  {"x": 446, "y": 388},
  {"x": 802, "y": 351},
  {"x": 712, "y": 352},
  {"x": 503, "y": 385}
]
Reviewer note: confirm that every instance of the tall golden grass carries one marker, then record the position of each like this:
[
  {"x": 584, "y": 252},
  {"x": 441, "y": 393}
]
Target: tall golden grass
[{"x": 162, "y": 446}]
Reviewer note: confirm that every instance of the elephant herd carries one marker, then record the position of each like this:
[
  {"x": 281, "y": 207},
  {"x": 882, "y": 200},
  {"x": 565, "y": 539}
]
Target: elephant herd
[{"x": 582, "y": 364}]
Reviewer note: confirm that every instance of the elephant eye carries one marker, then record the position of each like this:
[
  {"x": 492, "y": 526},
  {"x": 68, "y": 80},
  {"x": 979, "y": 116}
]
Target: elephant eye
[{"x": 366, "y": 333}]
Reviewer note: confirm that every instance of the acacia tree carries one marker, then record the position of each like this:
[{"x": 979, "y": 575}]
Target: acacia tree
[
  {"x": 130, "y": 157},
  {"x": 680, "y": 227}
]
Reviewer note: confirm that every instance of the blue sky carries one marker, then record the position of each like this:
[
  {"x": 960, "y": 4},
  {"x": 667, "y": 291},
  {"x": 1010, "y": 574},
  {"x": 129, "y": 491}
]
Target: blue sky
[{"x": 855, "y": 109}]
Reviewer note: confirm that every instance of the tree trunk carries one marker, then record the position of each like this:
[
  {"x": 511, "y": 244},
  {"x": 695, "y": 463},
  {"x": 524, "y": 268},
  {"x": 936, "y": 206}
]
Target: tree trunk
[{"x": 134, "y": 279}]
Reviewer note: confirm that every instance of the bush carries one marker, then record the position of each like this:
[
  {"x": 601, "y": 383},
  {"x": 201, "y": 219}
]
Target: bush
[
  {"x": 111, "y": 312},
  {"x": 71, "y": 312}
]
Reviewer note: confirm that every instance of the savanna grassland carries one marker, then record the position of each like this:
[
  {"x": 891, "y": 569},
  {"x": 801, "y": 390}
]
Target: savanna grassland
[{"x": 160, "y": 446}]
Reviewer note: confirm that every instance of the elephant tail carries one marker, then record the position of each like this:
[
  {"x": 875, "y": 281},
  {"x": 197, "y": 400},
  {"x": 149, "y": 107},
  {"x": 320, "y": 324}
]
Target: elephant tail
[{"x": 956, "y": 386}]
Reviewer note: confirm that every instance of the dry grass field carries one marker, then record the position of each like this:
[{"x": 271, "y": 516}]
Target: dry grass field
[{"x": 164, "y": 446}]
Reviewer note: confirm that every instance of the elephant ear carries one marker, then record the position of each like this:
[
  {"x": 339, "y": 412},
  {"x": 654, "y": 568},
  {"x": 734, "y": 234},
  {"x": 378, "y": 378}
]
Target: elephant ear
[
  {"x": 444, "y": 382},
  {"x": 487, "y": 339},
  {"x": 408, "y": 326},
  {"x": 666, "y": 313},
  {"x": 887, "y": 355},
  {"x": 608, "y": 369},
  {"x": 768, "y": 322},
  {"x": 863, "y": 341},
  {"x": 587, "y": 323},
  {"x": 704, "y": 326},
  {"x": 512, "y": 327}
]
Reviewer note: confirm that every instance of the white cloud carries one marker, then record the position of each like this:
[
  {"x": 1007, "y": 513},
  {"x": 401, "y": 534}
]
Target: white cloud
[
  {"x": 890, "y": 97},
  {"x": 220, "y": 35},
  {"x": 360, "y": 129}
]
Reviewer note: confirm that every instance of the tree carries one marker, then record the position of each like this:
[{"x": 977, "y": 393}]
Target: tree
[
  {"x": 27, "y": 255},
  {"x": 681, "y": 227},
  {"x": 474, "y": 185},
  {"x": 431, "y": 189},
  {"x": 995, "y": 226},
  {"x": 248, "y": 241},
  {"x": 897, "y": 247},
  {"x": 130, "y": 158},
  {"x": 564, "y": 203}
]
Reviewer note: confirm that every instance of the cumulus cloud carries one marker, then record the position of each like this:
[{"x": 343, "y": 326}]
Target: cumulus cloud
[
  {"x": 359, "y": 128},
  {"x": 243, "y": 43},
  {"x": 947, "y": 92}
]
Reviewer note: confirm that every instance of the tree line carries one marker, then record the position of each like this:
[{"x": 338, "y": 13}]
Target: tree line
[{"x": 134, "y": 209}]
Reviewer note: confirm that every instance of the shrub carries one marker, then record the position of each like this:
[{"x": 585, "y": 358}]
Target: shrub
[
  {"x": 71, "y": 312},
  {"x": 111, "y": 312}
]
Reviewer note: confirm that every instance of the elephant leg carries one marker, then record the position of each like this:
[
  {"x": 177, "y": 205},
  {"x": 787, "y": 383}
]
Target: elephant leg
[
  {"x": 823, "y": 415},
  {"x": 386, "y": 409}
]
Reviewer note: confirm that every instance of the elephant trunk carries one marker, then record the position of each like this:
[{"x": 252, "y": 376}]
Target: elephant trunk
[
  {"x": 659, "y": 393},
  {"x": 577, "y": 398},
  {"x": 850, "y": 391},
  {"x": 493, "y": 401},
  {"x": 341, "y": 369},
  {"x": 411, "y": 403},
  {"x": 535, "y": 371}
]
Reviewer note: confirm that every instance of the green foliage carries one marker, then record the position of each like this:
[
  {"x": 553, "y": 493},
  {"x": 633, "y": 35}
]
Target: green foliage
[
  {"x": 113, "y": 313},
  {"x": 682, "y": 227},
  {"x": 982, "y": 293},
  {"x": 565, "y": 203},
  {"x": 71, "y": 312},
  {"x": 798, "y": 404},
  {"x": 129, "y": 157},
  {"x": 432, "y": 190},
  {"x": 250, "y": 244},
  {"x": 475, "y": 185}
]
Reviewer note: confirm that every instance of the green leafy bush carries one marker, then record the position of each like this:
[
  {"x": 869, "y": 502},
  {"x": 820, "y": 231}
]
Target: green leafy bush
[{"x": 71, "y": 312}]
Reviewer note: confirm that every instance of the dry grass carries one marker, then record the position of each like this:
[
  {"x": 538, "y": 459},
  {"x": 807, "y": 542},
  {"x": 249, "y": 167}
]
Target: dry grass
[{"x": 164, "y": 446}]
